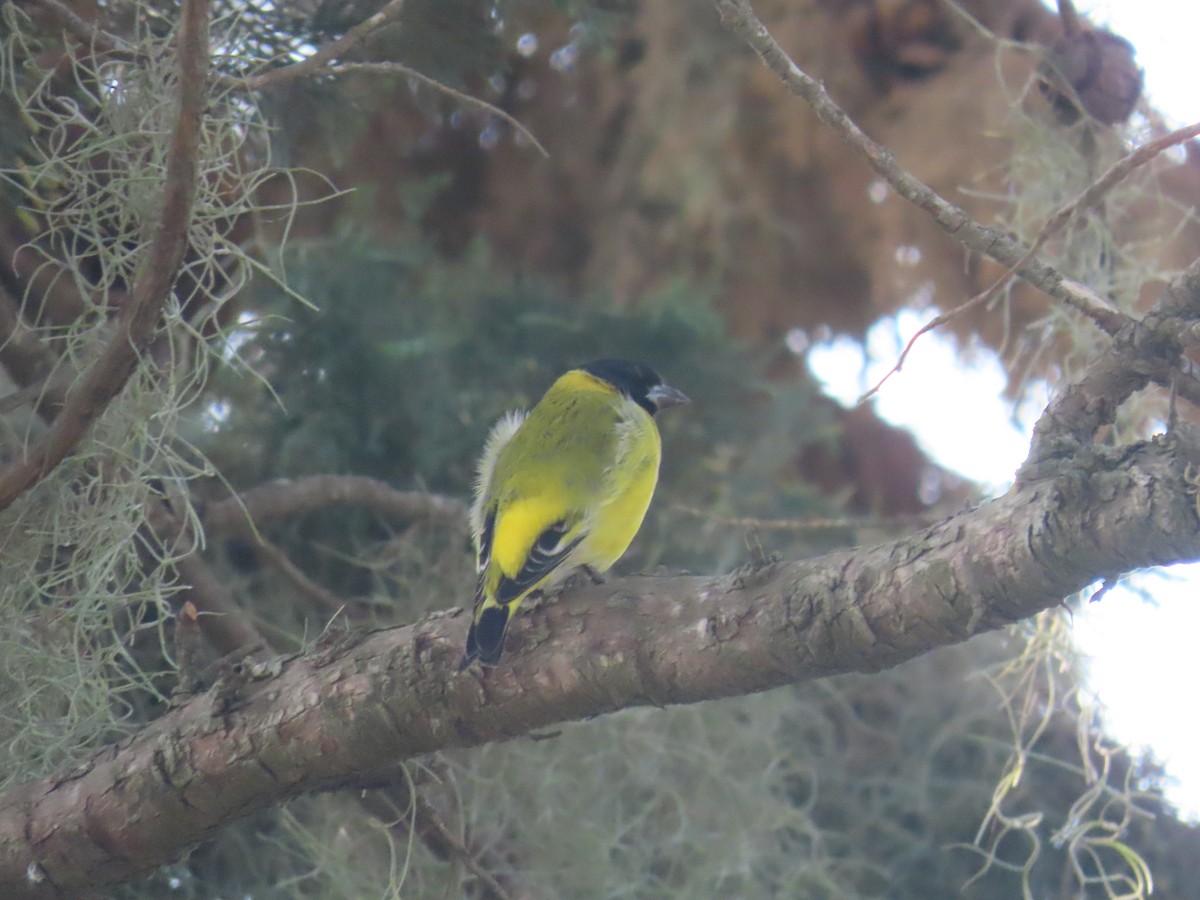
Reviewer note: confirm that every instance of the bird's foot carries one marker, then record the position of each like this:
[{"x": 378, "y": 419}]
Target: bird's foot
[
  {"x": 591, "y": 573},
  {"x": 581, "y": 576}
]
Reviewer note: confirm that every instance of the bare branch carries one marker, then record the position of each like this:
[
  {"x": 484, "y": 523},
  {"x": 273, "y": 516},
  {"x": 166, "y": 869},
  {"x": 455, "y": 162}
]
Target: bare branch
[
  {"x": 434, "y": 831},
  {"x": 1090, "y": 304},
  {"x": 1070, "y": 19},
  {"x": 241, "y": 515},
  {"x": 739, "y": 18},
  {"x": 348, "y": 712},
  {"x": 396, "y": 68},
  {"x": 1023, "y": 261},
  {"x": 326, "y": 53},
  {"x": 814, "y": 524},
  {"x": 403, "y": 804},
  {"x": 320, "y": 63},
  {"x": 1117, "y": 172},
  {"x": 320, "y": 595},
  {"x": 222, "y": 620},
  {"x": 287, "y": 497},
  {"x": 139, "y": 319},
  {"x": 1182, "y": 297}
]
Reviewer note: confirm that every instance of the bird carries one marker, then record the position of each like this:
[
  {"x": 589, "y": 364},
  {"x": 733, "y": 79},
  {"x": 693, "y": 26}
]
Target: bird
[{"x": 563, "y": 487}]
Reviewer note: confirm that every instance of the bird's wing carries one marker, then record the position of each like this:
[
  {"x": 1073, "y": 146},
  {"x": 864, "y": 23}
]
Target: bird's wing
[
  {"x": 548, "y": 552},
  {"x": 528, "y": 522}
]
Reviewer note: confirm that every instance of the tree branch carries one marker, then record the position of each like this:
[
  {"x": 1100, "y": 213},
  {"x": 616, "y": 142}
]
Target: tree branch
[
  {"x": 1145, "y": 350},
  {"x": 345, "y": 713},
  {"x": 286, "y": 498},
  {"x": 226, "y": 626},
  {"x": 326, "y": 53},
  {"x": 739, "y": 18},
  {"x": 321, "y": 63},
  {"x": 402, "y": 803},
  {"x": 139, "y": 319},
  {"x": 395, "y": 68},
  {"x": 318, "y": 595}
]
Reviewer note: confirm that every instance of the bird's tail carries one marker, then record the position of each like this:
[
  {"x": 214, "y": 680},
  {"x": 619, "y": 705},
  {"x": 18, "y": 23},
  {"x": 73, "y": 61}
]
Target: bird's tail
[{"x": 485, "y": 640}]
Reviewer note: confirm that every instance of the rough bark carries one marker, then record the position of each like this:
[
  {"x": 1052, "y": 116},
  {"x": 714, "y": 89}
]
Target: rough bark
[{"x": 355, "y": 707}]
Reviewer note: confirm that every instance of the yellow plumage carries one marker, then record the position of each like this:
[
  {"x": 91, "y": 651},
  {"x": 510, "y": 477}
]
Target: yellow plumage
[{"x": 566, "y": 486}]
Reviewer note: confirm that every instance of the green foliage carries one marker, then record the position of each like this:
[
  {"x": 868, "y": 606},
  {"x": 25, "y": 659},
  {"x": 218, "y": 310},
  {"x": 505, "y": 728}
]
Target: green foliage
[{"x": 407, "y": 361}]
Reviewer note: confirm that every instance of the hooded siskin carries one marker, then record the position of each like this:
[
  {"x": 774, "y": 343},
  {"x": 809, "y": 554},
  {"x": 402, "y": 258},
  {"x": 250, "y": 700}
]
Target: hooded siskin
[{"x": 565, "y": 486}]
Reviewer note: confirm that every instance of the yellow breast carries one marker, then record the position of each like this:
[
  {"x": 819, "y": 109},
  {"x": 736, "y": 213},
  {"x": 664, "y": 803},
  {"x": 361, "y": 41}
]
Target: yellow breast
[{"x": 629, "y": 491}]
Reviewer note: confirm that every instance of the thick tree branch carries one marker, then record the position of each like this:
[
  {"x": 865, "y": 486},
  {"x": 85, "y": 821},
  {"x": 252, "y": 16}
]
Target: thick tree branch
[
  {"x": 1143, "y": 351},
  {"x": 139, "y": 319},
  {"x": 347, "y": 712}
]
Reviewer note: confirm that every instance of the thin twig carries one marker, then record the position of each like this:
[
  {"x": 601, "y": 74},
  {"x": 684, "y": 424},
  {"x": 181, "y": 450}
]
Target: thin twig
[
  {"x": 430, "y": 821},
  {"x": 324, "y": 598},
  {"x": 401, "y": 805},
  {"x": 395, "y": 68},
  {"x": 1117, "y": 172},
  {"x": 224, "y": 623},
  {"x": 319, "y": 64},
  {"x": 312, "y": 65},
  {"x": 138, "y": 321},
  {"x": 739, "y": 18},
  {"x": 1109, "y": 319},
  {"x": 1099, "y": 311}
]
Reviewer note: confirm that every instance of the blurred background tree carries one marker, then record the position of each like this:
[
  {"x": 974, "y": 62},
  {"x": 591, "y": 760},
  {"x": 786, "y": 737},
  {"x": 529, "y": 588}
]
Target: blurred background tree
[{"x": 689, "y": 212}]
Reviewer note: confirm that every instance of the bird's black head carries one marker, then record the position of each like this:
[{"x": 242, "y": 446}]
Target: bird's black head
[{"x": 638, "y": 382}]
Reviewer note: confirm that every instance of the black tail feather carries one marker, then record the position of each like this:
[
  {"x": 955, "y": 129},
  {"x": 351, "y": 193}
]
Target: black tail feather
[{"x": 485, "y": 640}]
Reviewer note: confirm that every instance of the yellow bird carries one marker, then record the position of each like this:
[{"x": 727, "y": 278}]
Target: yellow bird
[{"x": 563, "y": 487}]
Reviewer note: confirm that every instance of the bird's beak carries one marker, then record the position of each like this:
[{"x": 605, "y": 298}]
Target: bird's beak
[{"x": 663, "y": 396}]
